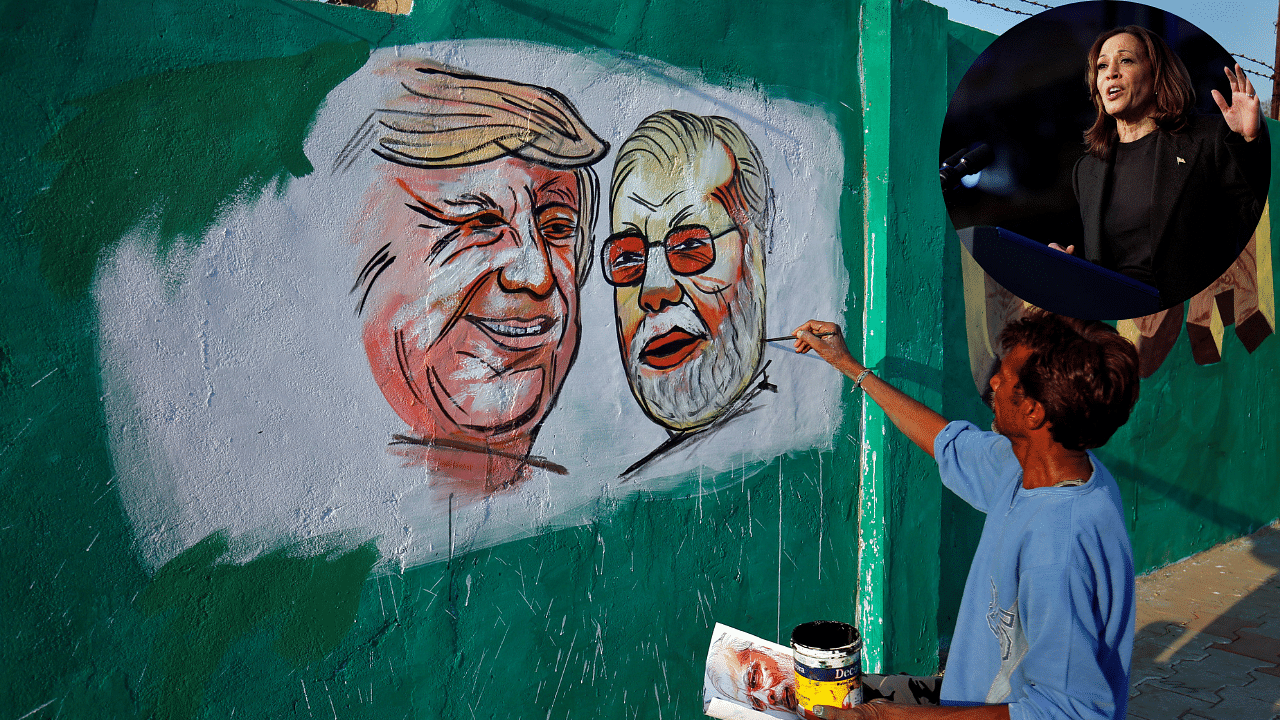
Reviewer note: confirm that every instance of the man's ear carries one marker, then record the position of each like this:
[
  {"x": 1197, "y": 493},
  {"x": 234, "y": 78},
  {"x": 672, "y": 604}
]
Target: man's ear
[{"x": 1033, "y": 414}]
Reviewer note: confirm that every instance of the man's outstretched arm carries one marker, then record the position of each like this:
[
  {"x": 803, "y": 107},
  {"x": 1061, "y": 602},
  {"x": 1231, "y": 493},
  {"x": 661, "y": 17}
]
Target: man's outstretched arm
[{"x": 912, "y": 417}]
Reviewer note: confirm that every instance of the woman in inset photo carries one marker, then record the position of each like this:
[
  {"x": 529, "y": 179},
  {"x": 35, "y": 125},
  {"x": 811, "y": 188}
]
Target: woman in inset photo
[
  {"x": 1153, "y": 173},
  {"x": 1167, "y": 196}
]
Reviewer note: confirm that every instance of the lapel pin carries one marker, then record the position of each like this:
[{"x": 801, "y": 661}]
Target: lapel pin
[{"x": 1184, "y": 162}]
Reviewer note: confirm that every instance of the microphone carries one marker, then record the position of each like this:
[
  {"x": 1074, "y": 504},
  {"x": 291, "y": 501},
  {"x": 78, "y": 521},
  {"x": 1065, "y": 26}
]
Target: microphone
[{"x": 962, "y": 163}]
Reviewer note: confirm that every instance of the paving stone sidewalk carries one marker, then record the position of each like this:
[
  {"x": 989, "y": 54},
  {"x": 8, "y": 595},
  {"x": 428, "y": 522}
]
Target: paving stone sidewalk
[{"x": 1207, "y": 645}]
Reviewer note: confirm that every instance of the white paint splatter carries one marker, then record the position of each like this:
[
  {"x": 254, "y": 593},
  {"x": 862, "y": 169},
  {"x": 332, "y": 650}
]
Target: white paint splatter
[
  {"x": 33, "y": 712},
  {"x": 46, "y": 375}
]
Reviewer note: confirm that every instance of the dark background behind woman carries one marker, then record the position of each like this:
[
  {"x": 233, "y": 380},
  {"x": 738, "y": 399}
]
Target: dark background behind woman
[{"x": 1025, "y": 96}]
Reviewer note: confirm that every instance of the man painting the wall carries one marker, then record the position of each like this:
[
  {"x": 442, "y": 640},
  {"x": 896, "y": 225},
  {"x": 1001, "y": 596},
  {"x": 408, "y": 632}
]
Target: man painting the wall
[
  {"x": 1045, "y": 628},
  {"x": 689, "y": 213},
  {"x": 475, "y": 241}
]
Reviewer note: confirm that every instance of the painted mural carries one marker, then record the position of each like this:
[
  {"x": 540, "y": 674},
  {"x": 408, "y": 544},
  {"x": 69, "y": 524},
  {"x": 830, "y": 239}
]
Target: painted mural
[
  {"x": 448, "y": 336},
  {"x": 486, "y": 202}
]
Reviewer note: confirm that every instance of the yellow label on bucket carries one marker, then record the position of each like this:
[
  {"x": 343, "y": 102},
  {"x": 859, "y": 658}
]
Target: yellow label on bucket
[
  {"x": 815, "y": 692},
  {"x": 837, "y": 687}
]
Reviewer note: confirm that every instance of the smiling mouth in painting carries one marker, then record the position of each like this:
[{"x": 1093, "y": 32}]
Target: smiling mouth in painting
[
  {"x": 670, "y": 349},
  {"x": 517, "y": 333}
]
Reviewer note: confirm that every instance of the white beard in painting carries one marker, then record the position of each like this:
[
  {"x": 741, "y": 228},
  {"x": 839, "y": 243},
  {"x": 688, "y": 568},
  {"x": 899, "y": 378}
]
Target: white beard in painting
[{"x": 696, "y": 392}]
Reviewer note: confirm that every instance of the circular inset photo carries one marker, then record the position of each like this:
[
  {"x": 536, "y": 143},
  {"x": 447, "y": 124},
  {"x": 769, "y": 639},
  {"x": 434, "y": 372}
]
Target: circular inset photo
[{"x": 1105, "y": 160}]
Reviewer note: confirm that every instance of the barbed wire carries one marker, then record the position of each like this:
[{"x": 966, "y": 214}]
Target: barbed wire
[
  {"x": 1033, "y": 2},
  {"x": 1246, "y": 57},
  {"x": 1001, "y": 7}
]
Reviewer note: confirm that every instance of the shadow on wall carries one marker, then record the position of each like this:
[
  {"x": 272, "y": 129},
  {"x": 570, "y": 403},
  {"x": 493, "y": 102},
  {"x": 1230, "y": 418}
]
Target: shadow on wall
[{"x": 1195, "y": 503}]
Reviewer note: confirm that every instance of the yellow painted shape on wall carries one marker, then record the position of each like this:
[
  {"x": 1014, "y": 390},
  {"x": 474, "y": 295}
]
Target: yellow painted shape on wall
[
  {"x": 1266, "y": 279},
  {"x": 981, "y": 354},
  {"x": 1204, "y": 327},
  {"x": 988, "y": 307},
  {"x": 394, "y": 7},
  {"x": 1128, "y": 329}
]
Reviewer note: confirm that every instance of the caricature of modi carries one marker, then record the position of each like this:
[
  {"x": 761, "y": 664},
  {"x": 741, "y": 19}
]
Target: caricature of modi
[
  {"x": 689, "y": 214},
  {"x": 474, "y": 244}
]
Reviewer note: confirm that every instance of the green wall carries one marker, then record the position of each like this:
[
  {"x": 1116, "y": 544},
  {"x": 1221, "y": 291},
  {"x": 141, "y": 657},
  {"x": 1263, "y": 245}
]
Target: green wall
[
  {"x": 961, "y": 525},
  {"x": 904, "y": 249},
  {"x": 167, "y": 116}
]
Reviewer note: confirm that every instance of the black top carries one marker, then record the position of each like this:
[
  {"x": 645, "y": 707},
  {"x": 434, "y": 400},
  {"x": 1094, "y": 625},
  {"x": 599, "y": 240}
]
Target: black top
[
  {"x": 1128, "y": 246},
  {"x": 1207, "y": 190}
]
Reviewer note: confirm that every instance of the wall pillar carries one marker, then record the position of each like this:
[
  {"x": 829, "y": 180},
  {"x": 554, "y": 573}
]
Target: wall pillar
[{"x": 902, "y": 58}]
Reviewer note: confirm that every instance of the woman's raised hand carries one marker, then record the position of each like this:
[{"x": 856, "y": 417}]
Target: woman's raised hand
[{"x": 1244, "y": 115}]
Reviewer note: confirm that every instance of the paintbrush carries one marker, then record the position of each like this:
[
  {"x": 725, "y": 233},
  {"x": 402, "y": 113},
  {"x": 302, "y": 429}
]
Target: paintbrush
[{"x": 793, "y": 337}]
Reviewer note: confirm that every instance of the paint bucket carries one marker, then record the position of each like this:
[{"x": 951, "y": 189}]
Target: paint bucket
[{"x": 828, "y": 661}]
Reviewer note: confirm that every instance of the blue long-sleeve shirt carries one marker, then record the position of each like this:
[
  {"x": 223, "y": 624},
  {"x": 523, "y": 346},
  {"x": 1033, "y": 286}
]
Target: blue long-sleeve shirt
[{"x": 1046, "y": 622}]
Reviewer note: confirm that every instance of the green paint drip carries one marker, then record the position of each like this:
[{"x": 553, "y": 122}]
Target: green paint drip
[
  {"x": 309, "y": 601},
  {"x": 174, "y": 151}
]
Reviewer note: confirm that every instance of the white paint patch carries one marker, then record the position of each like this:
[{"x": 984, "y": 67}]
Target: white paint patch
[{"x": 239, "y": 396}]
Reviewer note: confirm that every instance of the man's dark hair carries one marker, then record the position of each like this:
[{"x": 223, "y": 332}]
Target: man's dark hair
[{"x": 1083, "y": 372}]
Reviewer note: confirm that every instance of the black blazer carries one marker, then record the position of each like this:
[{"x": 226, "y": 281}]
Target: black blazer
[{"x": 1206, "y": 197}]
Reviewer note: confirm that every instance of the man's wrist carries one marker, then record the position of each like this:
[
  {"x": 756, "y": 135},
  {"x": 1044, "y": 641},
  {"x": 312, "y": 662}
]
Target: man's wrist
[
  {"x": 859, "y": 378},
  {"x": 852, "y": 368}
]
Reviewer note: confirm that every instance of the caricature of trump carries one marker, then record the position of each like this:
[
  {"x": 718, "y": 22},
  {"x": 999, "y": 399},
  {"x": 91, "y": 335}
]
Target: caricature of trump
[{"x": 474, "y": 244}]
